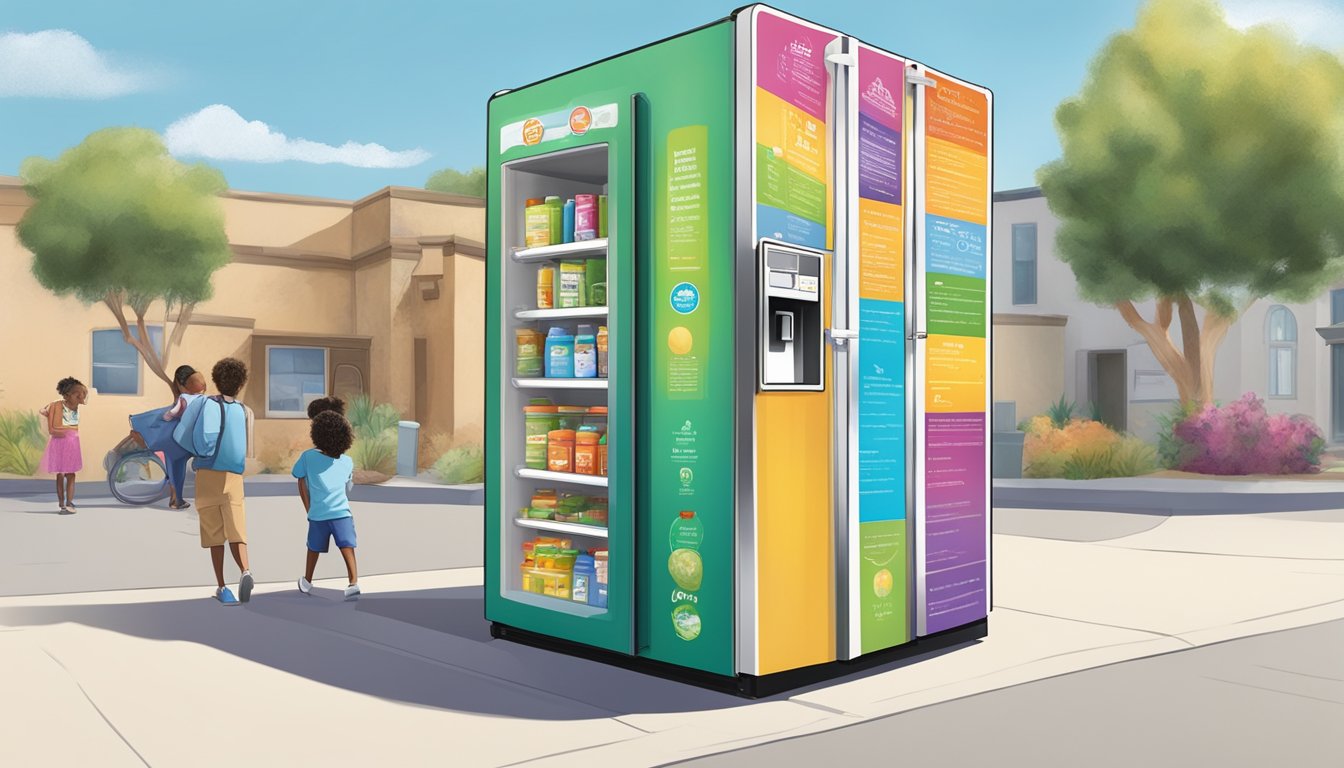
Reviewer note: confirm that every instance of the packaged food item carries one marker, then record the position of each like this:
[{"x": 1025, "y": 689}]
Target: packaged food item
[
  {"x": 585, "y": 453},
  {"x": 585, "y": 353},
  {"x": 567, "y": 223},
  {"x": 602, "y": 456},
  {"x": 546, "y": 287},
  {"x": 596, "y": 275},
  {"x": 599, "y": 595},
  {"x": 585, "y": 217},
  {"x": 602, "y": 352},
  {"x": 596, "y": 419},
  {"x": 545, "y": 498},
  {"x": 559, "y": 354},
  {"x": 539, "y": 419},
  {"x": 537, "y": 226},
  {"x": 571, "y": 416},
  {"x": 560, "y": 450},
  {"x": 555, "y": 218},
  {"x": 601, "y": 215},
  {"x": 585, "y": 576},
  {"x": 528, "y": 344},
  {"x": 572, "y": 285},
  {"x": 531, "y": 201}
]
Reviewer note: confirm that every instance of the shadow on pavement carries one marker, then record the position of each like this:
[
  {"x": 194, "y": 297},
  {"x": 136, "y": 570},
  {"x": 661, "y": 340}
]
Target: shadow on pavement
[{"x": 427, "y": 648}]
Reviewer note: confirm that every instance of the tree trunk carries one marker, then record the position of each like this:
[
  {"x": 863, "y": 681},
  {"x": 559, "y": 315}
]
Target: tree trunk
[
  {"x": 116, "y": 301},
  {"x": 1192, "y": 368}
]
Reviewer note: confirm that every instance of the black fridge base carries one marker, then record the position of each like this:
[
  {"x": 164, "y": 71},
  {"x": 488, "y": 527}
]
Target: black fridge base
[{"x": 750, "y": 686}]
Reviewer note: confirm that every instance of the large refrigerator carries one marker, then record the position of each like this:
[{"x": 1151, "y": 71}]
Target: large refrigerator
[{"x": 779, "y": 241}]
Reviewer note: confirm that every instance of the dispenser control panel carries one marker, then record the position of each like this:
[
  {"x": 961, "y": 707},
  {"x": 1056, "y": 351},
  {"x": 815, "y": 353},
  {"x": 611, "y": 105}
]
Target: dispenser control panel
[{"x": 790, "y": 328}]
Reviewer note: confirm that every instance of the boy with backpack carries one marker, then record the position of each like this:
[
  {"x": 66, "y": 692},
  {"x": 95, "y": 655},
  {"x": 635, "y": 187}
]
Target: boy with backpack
[{"x": 218, "y": 432}]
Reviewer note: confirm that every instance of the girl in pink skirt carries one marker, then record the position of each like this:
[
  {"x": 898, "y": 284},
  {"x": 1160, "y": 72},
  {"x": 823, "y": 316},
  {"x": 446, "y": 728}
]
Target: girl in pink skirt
[{"x": 62, "y": 456}]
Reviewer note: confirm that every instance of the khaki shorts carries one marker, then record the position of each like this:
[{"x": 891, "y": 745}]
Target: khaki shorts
[{"x": 219, "y": 505}]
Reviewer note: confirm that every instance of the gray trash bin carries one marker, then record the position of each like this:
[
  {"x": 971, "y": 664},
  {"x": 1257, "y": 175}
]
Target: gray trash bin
[{"x": 408, "y": 448}]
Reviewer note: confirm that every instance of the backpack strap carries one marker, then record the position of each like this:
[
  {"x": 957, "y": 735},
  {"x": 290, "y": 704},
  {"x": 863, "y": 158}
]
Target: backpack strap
[{"x": 223, "y": 413}]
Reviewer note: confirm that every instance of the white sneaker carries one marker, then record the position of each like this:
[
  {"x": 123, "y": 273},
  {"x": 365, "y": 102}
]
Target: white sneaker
[
  {"x": 352, "y": 592},
  {"x": 305, "y": 586},
  {"x": 245, "y": 584}
]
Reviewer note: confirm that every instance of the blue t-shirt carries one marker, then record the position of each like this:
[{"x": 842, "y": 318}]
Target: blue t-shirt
[{"x": 326, "y": 484}]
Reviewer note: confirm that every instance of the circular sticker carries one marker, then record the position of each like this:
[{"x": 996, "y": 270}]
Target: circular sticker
[
  {"x": 686, "y": 621},
  {"x": 532, "y": 131},
  {"x": 580, "y": 120},
  {"x": 685, "y": 298},
  {"x": 686, "y": 532},
  {"x": 883, "y": 583}
]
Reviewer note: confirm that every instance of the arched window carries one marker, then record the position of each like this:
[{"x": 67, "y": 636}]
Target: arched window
[{"x": 1281, "y": 337}]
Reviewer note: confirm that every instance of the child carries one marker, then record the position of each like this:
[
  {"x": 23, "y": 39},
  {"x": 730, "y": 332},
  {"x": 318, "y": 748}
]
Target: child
[
  {"x": 192, "y": 384},
  {"x": 62, "y": 456},
  {"x": 219, "y": 482},
  {"x": 323, "y": 472},
  {"x": 326, "y": 404}
]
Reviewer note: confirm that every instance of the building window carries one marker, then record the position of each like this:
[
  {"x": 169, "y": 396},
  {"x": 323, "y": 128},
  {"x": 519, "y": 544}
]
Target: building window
[
  {"x": 1337, "y": 306},
  {"x": 295, "y": 376},
  {"x": 116, "y": 364},
  {"x": 1024, "y": 263},
  {"x": 1281, "y": 336}
]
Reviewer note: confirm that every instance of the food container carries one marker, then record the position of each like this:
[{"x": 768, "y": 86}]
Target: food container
[
  {"x": 571, "y": 416},
  {"x": 585, "y": 453},
  {"x": 539, "y": 419},
  {"x": 560, "y": 450},
  {"x": 528, "y": 345}
]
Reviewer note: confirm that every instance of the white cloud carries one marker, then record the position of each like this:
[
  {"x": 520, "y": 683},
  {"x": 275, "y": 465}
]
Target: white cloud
[
  {"x": 1312, "y": 21},
  {"x": 219, "y": 133},
  {"x": 58, "y": 63}
]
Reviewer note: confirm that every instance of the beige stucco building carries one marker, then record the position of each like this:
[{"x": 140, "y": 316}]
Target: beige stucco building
[{"x": 383, "y": 295}]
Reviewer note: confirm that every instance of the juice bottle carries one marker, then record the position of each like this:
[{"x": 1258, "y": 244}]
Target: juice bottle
[{"x": 546, "y": 287}]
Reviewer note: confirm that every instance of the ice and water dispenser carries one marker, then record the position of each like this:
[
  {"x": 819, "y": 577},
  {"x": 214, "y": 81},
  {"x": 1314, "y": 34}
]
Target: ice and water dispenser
[{"x": 790, "y": 326}]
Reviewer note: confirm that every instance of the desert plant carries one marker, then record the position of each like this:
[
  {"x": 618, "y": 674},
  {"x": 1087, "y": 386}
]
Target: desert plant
[
  {"x": 1061, "y": 412},
  {"x": 1241, "y": 438},
  {"x": 457, "y": 466},
  {"x": 22, "y": 439},
  {"x": 1172, "y": 452},
  {"x": 432, "y": 446},
  {"x": 375, "y": 454},
  {"x": 370, "y": 419}
]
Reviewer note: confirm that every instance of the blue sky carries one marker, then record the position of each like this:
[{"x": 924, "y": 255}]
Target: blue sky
[{"x": 370, "y": 95}]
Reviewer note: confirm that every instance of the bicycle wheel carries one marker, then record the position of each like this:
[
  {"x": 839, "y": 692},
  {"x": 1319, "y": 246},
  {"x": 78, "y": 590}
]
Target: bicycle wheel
[{"x": 138, "y": 479}]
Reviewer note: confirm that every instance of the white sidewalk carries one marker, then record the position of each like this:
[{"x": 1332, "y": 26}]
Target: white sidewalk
[{"x": 409, "y": 675}]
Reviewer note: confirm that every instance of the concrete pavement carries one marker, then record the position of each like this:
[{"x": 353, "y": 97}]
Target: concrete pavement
[{"x": 410, "y": 676}]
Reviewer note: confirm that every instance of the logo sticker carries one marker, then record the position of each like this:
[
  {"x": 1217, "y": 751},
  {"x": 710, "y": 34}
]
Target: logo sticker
[
  {"x": 532, "y": 131},
  {"x": 685, "y": 298},
  {"x": 579, "y": 121}
]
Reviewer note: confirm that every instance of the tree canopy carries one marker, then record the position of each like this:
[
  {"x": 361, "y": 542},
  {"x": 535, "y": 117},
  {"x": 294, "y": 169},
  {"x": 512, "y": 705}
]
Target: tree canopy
[
  {"x": 118, "y": 220},
  {"x": 470, "y": 183},
  {"x": 1201, "y": 165}
]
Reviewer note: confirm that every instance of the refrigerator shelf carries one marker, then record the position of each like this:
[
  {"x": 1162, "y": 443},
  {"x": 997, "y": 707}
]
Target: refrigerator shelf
[
  {"x": 575, "y": 529},
  {"x": 560, "y": 314},
  {"x": 560, "y": 383},
  {"x": 596, "y": 247},
  {"x": 553, "y": 603},
  {"x": 561, "y": 477}
]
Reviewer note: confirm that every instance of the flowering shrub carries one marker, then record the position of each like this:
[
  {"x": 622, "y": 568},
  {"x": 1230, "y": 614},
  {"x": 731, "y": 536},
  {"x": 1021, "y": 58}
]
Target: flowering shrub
[
  {"x": 1083, "y": 449},
  {"x": 1242, "y": 439}
]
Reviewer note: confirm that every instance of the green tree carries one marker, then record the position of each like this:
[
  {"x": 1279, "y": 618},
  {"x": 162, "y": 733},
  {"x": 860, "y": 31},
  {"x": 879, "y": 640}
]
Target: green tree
[
  {"x": 1203, "y": 167},
  {"x": 458, "y": 183},
  {"x": 117, "y": 220}
]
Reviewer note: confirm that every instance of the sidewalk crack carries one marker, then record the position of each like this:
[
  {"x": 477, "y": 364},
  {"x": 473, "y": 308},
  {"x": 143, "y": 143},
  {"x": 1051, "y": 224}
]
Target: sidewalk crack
[
  {"x": 1276, "y": 690},
  {"x": 1101, "y": 624},
  {"x": 96, "y": 708}
]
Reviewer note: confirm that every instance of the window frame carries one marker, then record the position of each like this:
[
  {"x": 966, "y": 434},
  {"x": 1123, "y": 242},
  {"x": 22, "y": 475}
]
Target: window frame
[
  {"x": 326, "y": 379},
  {"x": 1034, "y": 263},
  {"x": 138, "y": 365},
  {"x": 1275, "y": 347}
]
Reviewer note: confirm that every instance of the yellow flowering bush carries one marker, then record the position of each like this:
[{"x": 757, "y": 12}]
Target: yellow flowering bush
[{"x": 1083, "y": 449}]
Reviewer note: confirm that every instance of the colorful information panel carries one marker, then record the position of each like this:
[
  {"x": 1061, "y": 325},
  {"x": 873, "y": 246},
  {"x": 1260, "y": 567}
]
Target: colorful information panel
[
  {"x": 883, "y": 550},
  {"x": 955, "y": 221},
  {"x": 792, "y": 93}
]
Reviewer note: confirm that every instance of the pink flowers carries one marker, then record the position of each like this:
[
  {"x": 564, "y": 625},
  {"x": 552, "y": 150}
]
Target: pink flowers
[{"x": 1242, "y": 439}]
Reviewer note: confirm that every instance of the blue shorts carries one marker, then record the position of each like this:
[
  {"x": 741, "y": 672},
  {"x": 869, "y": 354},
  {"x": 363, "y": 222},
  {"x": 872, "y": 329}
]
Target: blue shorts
[{"x": 321, "y": 532}]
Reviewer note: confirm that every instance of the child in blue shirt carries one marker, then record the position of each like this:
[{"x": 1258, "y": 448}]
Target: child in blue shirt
[{"x": 323, "y": 473}]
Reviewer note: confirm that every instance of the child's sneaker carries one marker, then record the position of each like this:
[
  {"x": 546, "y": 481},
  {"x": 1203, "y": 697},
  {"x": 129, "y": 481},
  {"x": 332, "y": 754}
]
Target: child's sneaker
[
  {"x": 245, "y": 585},
  {"x": 225, "y": 596},
  {"x": 352, "y": 592},
  {"x": 305, "y": 586}
]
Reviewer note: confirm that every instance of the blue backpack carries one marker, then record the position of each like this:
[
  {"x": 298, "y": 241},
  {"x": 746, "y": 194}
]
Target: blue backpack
[{"x": 199, "y": 429}]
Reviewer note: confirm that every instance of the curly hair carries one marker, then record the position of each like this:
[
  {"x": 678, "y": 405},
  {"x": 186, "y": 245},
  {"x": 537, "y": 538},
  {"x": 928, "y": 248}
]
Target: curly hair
[
  {"x": 67, "y": 385},
  {"x": 331, "y": 433},
  {"x": 229, "y": 375},
  {"x": 324, "y": 404}
]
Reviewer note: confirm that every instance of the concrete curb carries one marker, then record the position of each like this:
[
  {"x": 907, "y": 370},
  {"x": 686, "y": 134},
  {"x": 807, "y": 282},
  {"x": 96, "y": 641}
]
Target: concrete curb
[
  {"x": 254, "y": 486},
  {"x": 1085, "y": 498}
]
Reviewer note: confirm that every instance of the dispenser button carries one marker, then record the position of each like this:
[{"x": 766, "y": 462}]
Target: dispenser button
[{"x": 781, "y": 280}]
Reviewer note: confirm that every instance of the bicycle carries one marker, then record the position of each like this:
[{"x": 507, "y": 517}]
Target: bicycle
[{"x": 137, "y": 476}]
